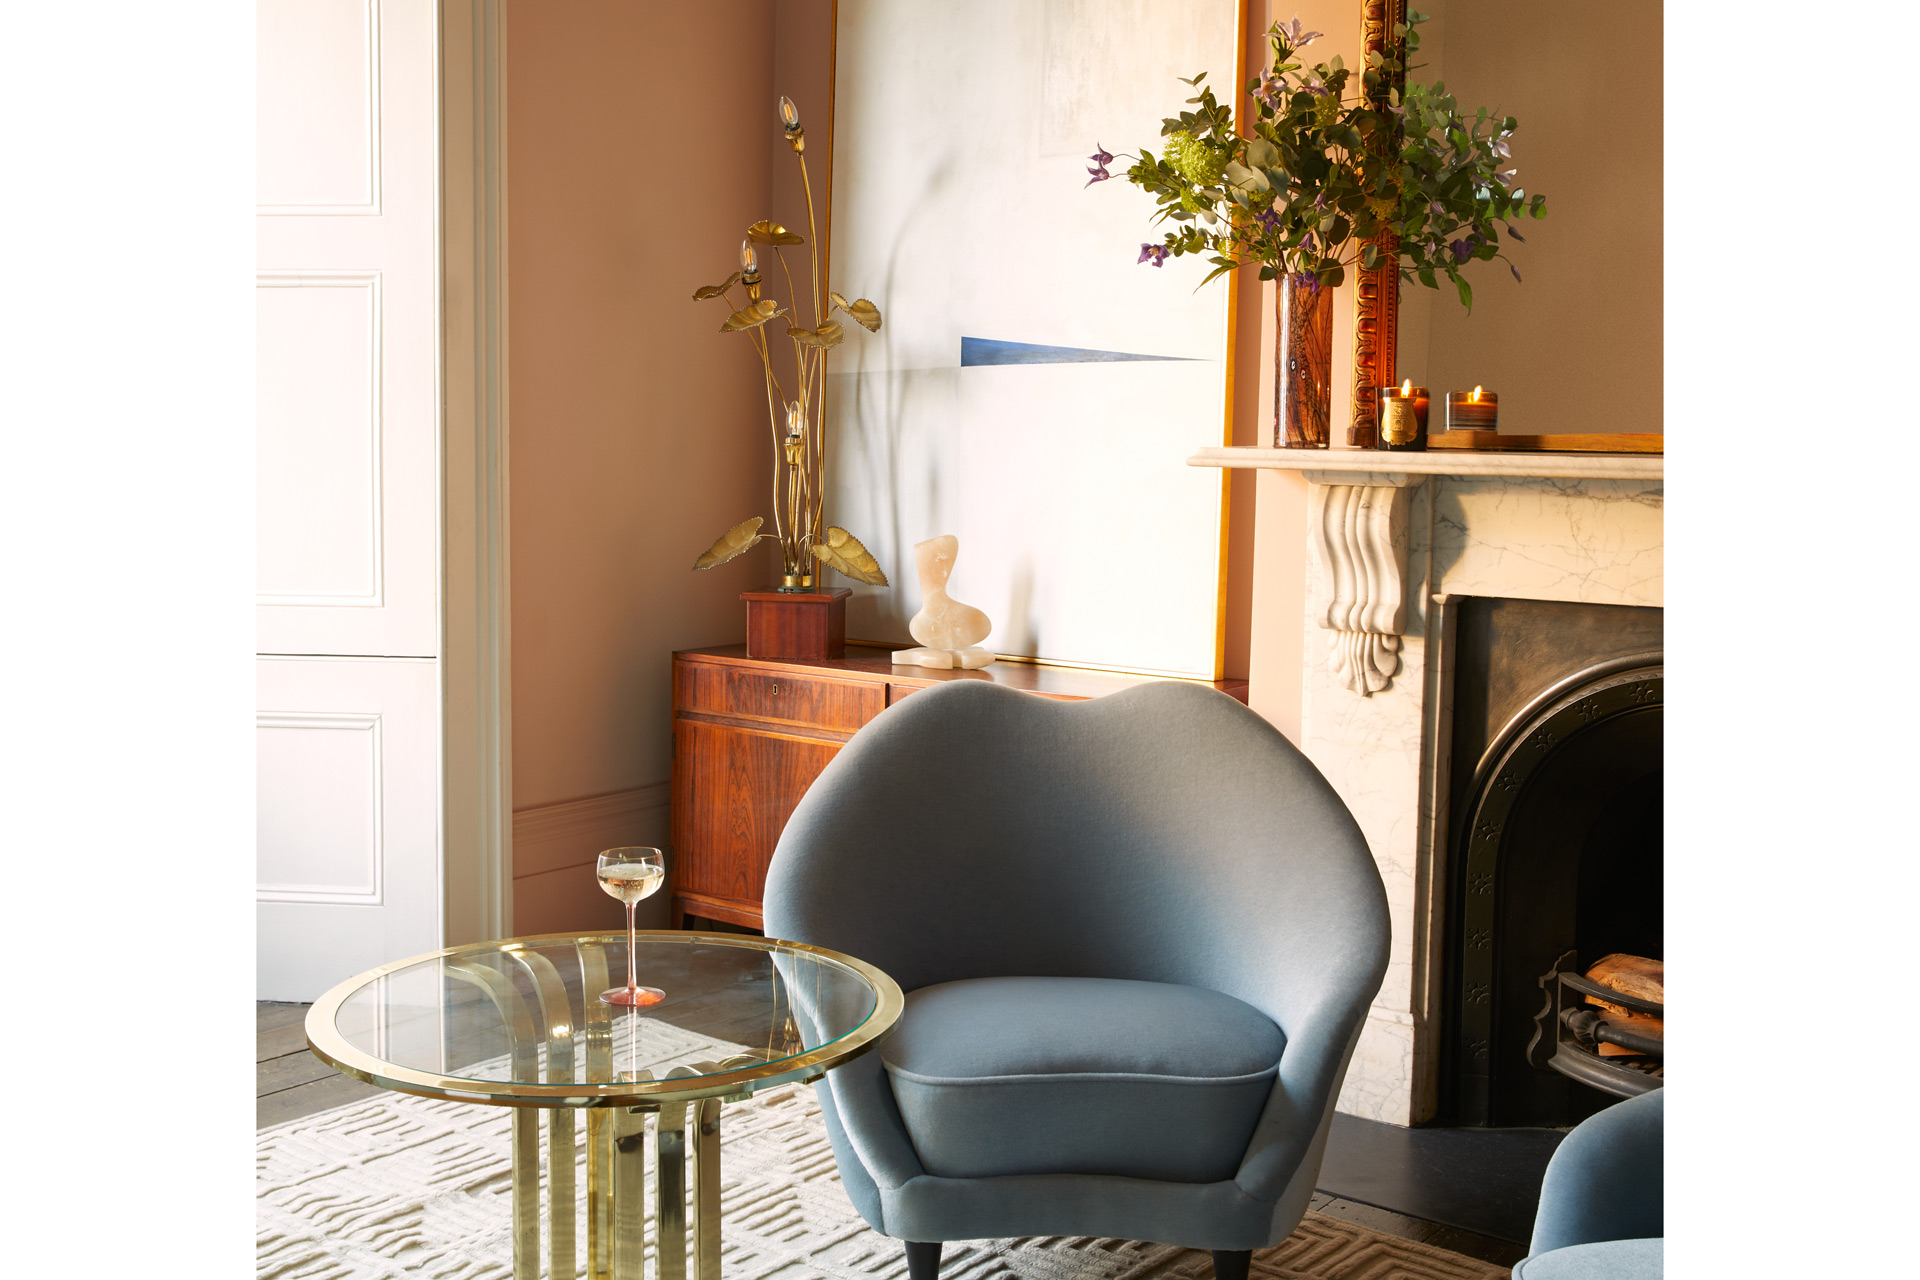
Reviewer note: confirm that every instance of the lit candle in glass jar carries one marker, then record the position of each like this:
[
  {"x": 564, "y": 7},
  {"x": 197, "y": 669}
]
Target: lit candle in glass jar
[
  {"x": 1475, "y": 410},
  {"x": 1403, "y": 416}
]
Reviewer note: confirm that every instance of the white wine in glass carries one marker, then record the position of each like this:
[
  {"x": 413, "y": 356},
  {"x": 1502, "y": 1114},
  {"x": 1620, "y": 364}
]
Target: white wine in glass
[{"x": 630, "y": 875}]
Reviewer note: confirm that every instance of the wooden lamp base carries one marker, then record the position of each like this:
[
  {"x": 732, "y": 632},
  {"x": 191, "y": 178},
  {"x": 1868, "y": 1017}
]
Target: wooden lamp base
[{"x": 797, "y": 624}]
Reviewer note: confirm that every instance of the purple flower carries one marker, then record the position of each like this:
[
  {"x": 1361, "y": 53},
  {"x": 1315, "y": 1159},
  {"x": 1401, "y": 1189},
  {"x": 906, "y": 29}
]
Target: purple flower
[
  {"x": 1154, "y": 253},
  {"x": 1500, "y": 148},
  {"x": 1320, "y": 201},
  {"x": 1295, "y": 33},
  {"x": 1436, "y": 209},
  {"x": 1269, "y": 221},
  {"x": 1462, "y": 249},
  {"x": 1101, "y": 159},
  {"x": 1507, "y": 176},
  {"x": 1308, "y": 243}
]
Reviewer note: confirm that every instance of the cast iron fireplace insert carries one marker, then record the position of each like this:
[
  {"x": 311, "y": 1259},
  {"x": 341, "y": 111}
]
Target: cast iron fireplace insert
[{"x": 1555, "y": 804}]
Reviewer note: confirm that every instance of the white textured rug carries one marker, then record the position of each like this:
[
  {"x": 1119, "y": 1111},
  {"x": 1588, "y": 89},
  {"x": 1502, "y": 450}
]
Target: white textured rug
[{"x": 406, "y": 1187}]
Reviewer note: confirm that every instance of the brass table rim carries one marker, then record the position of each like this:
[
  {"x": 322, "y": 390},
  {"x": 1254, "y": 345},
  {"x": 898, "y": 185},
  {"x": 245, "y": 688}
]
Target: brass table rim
[{"x": 333, "y": 1048}]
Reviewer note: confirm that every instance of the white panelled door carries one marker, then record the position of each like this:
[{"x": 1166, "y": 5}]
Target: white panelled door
[{"x": 349, "y": 861}]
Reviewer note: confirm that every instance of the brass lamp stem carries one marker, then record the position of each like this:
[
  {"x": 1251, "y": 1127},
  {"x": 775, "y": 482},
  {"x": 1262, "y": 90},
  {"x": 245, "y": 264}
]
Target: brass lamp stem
[{"x": 813, "y": 231}]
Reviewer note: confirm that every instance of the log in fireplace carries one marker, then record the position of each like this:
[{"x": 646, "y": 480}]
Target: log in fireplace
[{"x": 1555, "y": 856}]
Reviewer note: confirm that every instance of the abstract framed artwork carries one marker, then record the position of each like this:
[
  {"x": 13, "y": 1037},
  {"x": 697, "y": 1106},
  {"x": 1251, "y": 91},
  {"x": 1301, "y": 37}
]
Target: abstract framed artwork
[{"x": 1036, "y": 388}]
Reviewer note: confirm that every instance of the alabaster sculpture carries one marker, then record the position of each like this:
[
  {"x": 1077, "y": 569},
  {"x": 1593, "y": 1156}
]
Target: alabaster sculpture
[{"x": 949, "y": 632}]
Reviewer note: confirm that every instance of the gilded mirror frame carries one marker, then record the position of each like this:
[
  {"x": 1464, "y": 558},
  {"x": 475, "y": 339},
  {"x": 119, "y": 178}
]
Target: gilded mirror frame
[
  {"x": 1376, "y": 296},
  {"x": 1376, "y": 321}
]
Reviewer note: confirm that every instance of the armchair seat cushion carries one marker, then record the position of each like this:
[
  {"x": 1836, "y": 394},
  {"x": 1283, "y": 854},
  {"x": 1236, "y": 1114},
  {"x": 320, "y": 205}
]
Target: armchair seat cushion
[{"x": 1019, "y": 1075}]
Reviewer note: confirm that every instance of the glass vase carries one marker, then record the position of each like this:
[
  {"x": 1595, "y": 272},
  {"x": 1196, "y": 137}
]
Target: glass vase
[{"x": 1303, "y": 360}]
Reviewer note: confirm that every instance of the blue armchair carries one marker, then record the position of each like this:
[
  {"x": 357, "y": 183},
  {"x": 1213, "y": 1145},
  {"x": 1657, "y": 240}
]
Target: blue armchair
[
  {"x": 1138, "y": 934},
  {"x": 1601, "y": 1213}
]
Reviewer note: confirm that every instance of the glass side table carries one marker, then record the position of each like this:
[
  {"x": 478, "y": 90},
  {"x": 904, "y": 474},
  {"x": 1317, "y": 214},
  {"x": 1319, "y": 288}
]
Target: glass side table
[{"x": 519, "y": 1023}]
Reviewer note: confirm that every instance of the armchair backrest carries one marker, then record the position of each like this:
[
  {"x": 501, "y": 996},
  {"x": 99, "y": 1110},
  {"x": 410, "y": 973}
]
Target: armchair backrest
[{"x": 1164, "y": 833}]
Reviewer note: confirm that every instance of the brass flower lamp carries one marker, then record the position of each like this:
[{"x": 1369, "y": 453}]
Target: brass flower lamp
[{"x": 799, "y": 445}]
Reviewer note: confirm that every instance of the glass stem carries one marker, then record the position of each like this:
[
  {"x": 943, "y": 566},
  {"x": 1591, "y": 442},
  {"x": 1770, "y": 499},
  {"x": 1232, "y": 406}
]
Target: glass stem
[{"x": 632, "y": 941}]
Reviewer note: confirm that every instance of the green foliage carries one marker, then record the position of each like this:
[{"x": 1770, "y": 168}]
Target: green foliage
[{"x": 1333, "y": 162}]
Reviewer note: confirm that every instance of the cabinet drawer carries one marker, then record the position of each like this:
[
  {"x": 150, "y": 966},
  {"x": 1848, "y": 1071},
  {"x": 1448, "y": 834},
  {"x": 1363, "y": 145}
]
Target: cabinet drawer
[{"x": 777, "y": 698}]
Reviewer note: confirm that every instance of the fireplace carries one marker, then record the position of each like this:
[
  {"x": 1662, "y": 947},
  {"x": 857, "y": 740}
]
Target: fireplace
[
  {"x": 1554, "y": 848},
  {"x": 1431, "y": 579}
]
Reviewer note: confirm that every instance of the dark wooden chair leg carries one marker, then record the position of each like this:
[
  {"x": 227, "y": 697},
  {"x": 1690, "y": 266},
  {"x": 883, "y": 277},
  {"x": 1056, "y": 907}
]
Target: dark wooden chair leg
[
  {"x": 923, "y": 1261},
  {"x": 1228, "y": 1264}
]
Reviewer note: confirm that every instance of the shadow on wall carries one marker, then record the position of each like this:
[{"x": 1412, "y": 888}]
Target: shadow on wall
[{"x": 885, "y": 493}]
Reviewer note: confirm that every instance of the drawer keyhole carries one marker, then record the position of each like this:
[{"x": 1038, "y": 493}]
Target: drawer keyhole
[{"x": 775, "y": 691}]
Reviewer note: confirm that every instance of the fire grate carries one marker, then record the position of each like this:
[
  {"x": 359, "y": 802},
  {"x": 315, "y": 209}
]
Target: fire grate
[{"x": 1569, "y": 1030}]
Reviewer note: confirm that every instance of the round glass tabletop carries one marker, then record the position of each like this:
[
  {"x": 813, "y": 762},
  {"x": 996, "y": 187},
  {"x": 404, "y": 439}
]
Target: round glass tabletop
[{"x": 521, "y": 1022}]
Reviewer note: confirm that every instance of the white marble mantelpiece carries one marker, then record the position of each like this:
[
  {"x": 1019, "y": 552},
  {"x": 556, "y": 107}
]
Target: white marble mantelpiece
[
  {"x": 1395, "y": 538},
  {"x": 1437, "y": 462}
]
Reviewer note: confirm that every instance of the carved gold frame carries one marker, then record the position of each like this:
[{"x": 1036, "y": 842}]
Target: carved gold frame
[
  {"x": 1376, "y": 322},
  {"x": 1376, "y": 295}
]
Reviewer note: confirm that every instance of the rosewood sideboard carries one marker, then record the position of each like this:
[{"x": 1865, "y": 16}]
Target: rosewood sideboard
[{"x": 751, "y": 734}]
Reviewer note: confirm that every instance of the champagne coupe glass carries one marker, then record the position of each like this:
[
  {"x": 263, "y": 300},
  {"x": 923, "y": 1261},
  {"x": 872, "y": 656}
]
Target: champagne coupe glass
[{"x": 630, "y": 875}]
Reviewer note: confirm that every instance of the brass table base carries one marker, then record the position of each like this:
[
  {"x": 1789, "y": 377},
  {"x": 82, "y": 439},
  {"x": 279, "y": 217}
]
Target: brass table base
[{"x": 686, "y": 1145}]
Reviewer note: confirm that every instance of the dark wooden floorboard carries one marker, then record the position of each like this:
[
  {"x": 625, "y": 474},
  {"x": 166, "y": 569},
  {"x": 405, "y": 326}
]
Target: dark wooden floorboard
[
  {"x": 287, "y": 1071},
  {"x": 292, "y": 1083},
  {"x": 281, "y": 1041},
  {"x": 1384, "y": 1221},
  {"x": 335, "y": 1090},
  {"x": 1501, "y": 1253},
  {"x": 270, "y": 1014}
]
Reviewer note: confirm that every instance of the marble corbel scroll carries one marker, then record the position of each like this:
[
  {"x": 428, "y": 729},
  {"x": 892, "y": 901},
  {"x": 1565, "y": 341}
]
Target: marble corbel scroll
[{"x": 1359, "y": 523}]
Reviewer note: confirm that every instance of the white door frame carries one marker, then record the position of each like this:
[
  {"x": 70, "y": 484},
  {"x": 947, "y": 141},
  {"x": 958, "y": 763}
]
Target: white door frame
[{"x": 476, "y": 831}]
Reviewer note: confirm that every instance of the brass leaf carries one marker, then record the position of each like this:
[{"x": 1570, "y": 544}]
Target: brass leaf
[
  {"x": 864, "y": 314},
  {"x": 830, "y": 334},
  {"x": 837, "y": 299},
  {"x": 768, "y": 232},
  {"x": 843, "y": 551},
  {"x": 752, "y": 315},
  {"x": 731, "y": 543},
  {"x": 715, "y": 290}
]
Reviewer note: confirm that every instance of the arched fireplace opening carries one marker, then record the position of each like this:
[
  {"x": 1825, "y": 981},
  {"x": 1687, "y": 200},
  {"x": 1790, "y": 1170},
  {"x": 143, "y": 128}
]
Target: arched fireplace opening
[{"x": 1555, "y": 857}]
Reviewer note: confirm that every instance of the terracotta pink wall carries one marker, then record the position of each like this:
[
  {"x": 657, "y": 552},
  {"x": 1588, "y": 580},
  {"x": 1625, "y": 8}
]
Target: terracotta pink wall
[{"x": 639, "y": 138}]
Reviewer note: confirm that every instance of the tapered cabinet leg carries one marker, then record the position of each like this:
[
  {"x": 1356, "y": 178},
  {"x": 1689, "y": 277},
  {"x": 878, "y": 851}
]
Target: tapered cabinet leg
[
  {"x": 923, "y": 1260},
  {"x": 1228, "y": 1264}
]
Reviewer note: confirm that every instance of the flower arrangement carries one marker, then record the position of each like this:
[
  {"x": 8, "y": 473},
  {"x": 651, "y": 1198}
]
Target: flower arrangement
[
  {"x": 799, "y": 446},
  {"x": 1330, "y": 168}
]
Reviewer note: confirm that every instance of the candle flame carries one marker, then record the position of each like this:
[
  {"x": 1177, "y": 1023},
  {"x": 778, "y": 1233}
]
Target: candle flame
[
  {"x": 1475, "y": 397},
  {"x": 1406, "y": 388}
]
